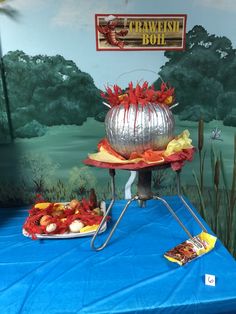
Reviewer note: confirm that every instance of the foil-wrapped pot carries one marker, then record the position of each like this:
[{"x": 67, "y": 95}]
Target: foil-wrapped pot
[{"x": 139, "y": 128}]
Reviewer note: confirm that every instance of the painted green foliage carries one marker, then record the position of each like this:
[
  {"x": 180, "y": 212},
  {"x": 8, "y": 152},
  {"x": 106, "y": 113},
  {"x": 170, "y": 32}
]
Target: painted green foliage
[
  {"x": 46, "y": 91},
  {"x": 204, "y": 77}
]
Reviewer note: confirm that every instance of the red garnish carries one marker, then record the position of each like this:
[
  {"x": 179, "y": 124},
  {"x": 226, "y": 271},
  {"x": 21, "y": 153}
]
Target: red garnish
[
  {"x": 140, "y": 95},
  {"x": 39, "y": 198}
]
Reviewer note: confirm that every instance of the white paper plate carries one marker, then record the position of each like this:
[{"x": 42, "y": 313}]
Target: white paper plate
[{"x": 70, "y": 235}]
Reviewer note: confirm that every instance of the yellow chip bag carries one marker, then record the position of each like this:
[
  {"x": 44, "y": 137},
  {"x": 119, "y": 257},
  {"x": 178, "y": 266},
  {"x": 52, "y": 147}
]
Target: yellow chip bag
[{"x": 191, "y": 249}]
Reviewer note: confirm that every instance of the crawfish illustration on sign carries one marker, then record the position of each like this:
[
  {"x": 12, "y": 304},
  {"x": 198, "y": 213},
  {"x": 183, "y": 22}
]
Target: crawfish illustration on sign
[{"x": 109, "y": 32}]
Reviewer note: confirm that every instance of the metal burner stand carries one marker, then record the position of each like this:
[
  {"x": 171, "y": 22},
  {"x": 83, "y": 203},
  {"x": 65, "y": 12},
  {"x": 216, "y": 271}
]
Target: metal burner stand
[{"x": 144, "y": 193}]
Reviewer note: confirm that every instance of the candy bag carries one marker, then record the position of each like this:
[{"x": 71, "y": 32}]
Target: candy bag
[{"x": 191, "y": 248}]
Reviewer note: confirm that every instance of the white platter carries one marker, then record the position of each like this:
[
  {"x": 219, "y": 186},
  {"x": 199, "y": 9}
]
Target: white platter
[{"x": 70, "y": 235}]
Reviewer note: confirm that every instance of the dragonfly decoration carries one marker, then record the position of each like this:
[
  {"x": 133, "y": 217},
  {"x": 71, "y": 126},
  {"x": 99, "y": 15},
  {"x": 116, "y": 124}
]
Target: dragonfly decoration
[{"x": 216, "y": 134}]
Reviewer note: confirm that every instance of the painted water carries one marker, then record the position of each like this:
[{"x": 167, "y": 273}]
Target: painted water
[{"x": 61, "y": 151}]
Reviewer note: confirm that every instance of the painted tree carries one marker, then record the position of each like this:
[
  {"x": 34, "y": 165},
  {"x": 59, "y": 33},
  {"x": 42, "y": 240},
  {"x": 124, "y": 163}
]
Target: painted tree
[
  {"x": 7, "y": 10},
  {"x": 202, "y": 75},
  {"x": 50, "y": 90}
]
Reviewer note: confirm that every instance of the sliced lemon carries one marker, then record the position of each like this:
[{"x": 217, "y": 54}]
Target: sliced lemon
[
  {"x": 42, "y": 205},
  {"x": 89, "y": 228}
]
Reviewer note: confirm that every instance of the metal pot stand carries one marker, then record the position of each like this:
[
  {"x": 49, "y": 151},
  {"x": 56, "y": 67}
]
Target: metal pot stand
[{"x": 144, "y": 193}]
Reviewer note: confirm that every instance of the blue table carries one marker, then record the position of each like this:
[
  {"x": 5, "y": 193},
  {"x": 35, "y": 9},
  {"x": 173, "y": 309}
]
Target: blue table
[{"x": 129, "y": 276}]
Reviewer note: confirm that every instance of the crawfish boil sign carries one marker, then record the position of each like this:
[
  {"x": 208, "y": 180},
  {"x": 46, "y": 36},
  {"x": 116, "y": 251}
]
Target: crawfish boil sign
[{"x": 140, "y": 32}]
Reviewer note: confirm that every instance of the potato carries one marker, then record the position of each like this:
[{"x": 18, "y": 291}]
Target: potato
[
  {"x": 57, "y": 212},
  {"x": 76, "y": 225},
  {"x": 73, "y": 204},
  {"x": 51, "y": 227},
  {"x": 45, "y": 220},
  {"x": 97, "y": 211}
]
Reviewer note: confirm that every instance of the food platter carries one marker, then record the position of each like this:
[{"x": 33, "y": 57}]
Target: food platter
[{"x": 69, "y": 234}]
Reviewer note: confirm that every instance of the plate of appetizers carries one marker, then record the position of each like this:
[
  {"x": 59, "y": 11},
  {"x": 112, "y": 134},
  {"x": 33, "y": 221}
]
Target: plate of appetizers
[{"x": 77, "y": 218}]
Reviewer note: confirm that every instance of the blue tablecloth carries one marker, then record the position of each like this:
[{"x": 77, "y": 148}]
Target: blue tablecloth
[{"x": 129, "y": 276}]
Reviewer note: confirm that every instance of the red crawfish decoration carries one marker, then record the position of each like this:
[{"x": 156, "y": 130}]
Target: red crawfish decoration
[
  {"x": 139, "y": 95},
  {"x": 110, "y": 33}
]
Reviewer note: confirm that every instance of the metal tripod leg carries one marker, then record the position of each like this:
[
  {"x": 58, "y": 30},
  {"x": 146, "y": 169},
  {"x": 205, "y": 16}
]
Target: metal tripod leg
[
  {"x": 173, "y": 214},
  {"x": 186, "y": 204},
  {"x": 112, "y": 174},
  {"x": 99, "y": 248}
]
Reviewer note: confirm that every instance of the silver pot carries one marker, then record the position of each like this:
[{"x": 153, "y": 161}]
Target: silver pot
[{"x": 139, "y": 128}]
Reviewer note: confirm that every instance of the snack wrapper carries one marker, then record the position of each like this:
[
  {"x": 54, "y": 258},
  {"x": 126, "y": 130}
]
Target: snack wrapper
[{"x": 191, "y": 248}]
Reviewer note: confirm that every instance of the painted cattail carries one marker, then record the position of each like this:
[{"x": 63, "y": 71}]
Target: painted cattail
[
  {"x": 200, "y": 134},
  {"x": 217, "y": 173}
]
